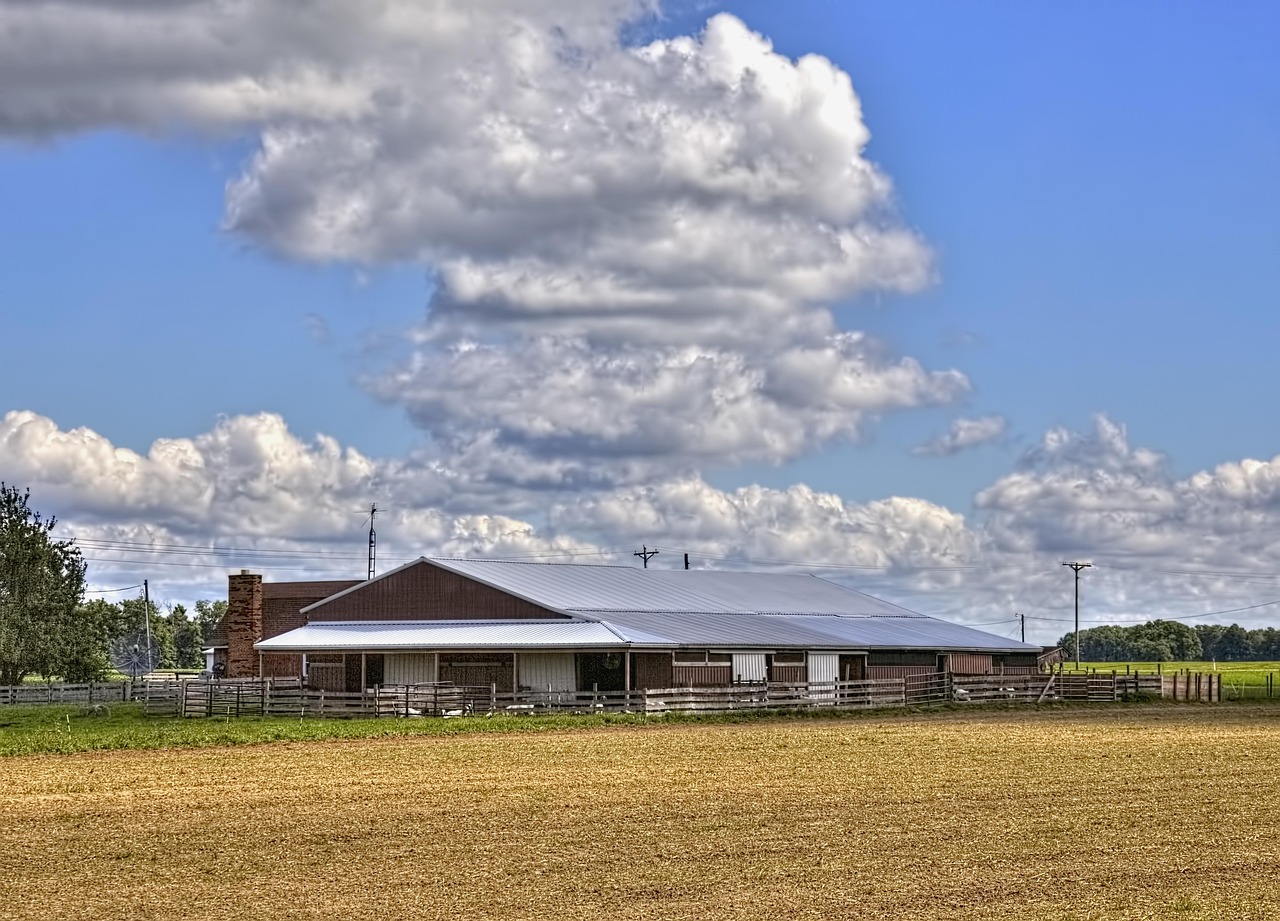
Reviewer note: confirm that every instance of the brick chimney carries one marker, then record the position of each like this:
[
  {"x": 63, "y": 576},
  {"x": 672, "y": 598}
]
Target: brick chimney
[{"x": 244, "y": 623}]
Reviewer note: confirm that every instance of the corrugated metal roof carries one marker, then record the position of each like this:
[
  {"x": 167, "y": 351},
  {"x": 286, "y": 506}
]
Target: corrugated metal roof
[
  {"x": 576, "y": 587},
  {"x": 646, "y": 629},
  {"x": 802, "y": 630},
  {"x": 396, "y": 635},
  {"x": 663, "y": 607}
]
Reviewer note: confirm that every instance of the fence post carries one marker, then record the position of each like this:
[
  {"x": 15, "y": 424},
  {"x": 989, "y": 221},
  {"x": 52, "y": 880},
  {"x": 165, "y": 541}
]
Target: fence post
[{"x": 493, "y": 697}]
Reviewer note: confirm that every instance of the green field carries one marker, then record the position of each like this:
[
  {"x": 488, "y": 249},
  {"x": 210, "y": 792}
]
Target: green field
[
  {"x": 1239, "y": 679},
  {"x": 1115, "y": 812}
]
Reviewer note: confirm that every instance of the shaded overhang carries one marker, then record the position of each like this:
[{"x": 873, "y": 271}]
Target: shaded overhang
[{"x": 406, "y": 636}]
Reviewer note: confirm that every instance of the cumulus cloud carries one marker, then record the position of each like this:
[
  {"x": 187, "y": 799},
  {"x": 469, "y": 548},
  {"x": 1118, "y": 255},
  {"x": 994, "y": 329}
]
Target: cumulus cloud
[
  {"x": 250, "y": 492},
  {"x": 573, "y": 413},
  {"x": 633, "y": 248},
  {"x": 964, "y": 433}
]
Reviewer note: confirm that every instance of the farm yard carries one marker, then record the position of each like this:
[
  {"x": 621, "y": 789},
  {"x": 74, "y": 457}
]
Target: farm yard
[{"x": 1144, "y": 811}]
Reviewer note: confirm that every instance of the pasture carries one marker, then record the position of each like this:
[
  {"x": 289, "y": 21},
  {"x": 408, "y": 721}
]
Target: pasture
[{"x": 1240, "y": 680}]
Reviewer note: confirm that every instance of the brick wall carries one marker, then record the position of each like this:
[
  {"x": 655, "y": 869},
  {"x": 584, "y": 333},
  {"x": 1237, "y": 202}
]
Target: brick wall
[{"x": 243, "y": 623}]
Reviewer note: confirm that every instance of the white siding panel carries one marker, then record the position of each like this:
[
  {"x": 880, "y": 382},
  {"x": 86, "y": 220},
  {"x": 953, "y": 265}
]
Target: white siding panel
[
  {"x": 748, "y": 666},
  {"x": 824, "y": 668},
  {"x": 409, "y": 668},
  {"x": 538, "y": 670}
]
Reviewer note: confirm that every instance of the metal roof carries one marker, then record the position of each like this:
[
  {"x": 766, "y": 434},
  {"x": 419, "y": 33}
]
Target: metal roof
[
  {"x": 664, "y": 608},
  {"x": 577, "y": 587},
  {"x": 403, "y": 635}
]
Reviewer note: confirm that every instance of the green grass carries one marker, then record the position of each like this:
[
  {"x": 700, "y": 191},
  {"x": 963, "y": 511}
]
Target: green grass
[
  {"x": 1239, "y": 679},
  {"x": 43, "y": 729}
]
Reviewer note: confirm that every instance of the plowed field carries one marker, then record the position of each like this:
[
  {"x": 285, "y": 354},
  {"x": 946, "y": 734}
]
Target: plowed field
[{"x": 1136, "y": 812}]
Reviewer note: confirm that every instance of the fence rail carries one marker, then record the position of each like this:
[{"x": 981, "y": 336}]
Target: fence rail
[
  {"x": 288, "y": 697},
  {"x": 91, "y": 692}
]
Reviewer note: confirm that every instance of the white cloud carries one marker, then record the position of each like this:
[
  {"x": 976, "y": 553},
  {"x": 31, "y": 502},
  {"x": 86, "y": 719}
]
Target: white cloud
[
  {"x": 675, "y": 217},
  {"x": 964, "y": 433},
  {"x": 1162, "y": 545},
  {"x": 615, "y": 415}
]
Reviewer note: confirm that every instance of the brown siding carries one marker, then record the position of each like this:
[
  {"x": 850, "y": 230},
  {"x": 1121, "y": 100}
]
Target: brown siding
[
  {"x": 243, "y": 623},
  {"x": 899, "y": 671},
  {"x": 426, "y": 592},
  {"x": 652, "y": 670},
  {"x": 327, "y": 672},
  {"x": 281, "y": 665},
  {"x": 966, "y": 664},
  {"x": 701, "y": 676},
  {"x": 282, "y": 603},
  {"x": 790, "y": 674},
  {"x": 478, "y": 669}
]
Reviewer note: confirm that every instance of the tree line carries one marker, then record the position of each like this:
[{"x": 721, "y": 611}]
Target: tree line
[
  {"x": 48, "y": 629},
  {"x": 1171, "y": 641}
]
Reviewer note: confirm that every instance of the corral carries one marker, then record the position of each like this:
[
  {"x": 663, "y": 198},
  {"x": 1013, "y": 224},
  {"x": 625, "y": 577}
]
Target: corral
[{"x": 1138, "y": 812}]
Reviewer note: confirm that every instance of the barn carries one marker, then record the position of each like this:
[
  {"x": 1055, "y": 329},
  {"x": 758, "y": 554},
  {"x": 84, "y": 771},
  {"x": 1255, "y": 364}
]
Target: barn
[{"x": 567, "y": 627}]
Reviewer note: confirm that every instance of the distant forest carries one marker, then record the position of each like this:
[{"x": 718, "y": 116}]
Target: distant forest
[{"x": 1171, "y": 641}]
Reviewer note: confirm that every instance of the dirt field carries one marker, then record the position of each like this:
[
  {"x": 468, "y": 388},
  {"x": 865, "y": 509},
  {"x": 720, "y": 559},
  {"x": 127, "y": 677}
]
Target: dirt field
[{"x": 1117, "y": 813}]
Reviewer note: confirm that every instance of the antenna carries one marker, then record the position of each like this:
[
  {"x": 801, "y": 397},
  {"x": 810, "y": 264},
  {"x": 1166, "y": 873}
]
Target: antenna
[
  {"x": 645, "y": 553},
  {"x": 373, "y": 541},
  {"x": 1077, "y": 567},
  {"x": 135, "y": 653}
]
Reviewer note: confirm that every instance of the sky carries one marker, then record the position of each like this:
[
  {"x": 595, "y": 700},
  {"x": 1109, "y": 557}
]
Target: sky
[{"x": 925, "y": 298}]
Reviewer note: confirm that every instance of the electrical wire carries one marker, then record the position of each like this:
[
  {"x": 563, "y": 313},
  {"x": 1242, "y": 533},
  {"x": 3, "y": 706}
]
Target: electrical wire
[{"x": 110, "y": 591}]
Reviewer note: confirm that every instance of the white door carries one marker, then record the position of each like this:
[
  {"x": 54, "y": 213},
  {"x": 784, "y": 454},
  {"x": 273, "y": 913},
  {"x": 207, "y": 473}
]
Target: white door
[
  {"x": 748, "y": 666},
  {"x": 548, "y": 671},
  {"x": 409, "y": 668},
  {"x": 824, "y": 669}
]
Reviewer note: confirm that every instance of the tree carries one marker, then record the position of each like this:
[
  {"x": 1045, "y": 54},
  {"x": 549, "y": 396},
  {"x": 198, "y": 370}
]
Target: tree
[
  {"x": 209, "y": 615},
  {"x": 188, "y": 638},
  {"x": 41, "y": 589}
]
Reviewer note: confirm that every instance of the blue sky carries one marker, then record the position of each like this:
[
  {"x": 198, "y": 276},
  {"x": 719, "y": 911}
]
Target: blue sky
[{"x": 1096, "y": 183}]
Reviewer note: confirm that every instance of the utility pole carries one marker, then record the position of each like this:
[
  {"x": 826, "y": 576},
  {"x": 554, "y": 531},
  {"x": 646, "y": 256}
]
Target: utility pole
[
  {"x": 1023, "y": 619},
  {"x": 373, "y": 541},
  {"x": 146, "y": 618},
  {"x": 686, "y": 561},
  {"x": 645, "y": 553},
  {"x": 1077, "y": 567}
]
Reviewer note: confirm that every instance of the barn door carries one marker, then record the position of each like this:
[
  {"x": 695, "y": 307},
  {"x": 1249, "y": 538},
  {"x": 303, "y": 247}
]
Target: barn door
[{"x": 749, "y": 666}]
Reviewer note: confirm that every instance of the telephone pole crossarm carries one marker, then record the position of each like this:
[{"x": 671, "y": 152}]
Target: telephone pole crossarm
[{"x": 1077, "y": 567}]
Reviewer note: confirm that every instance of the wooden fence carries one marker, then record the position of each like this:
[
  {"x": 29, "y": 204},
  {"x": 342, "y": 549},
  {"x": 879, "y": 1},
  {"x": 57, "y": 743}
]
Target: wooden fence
[
  {"x": 287, "y": 696},
  {"x": 91, "y": 692}
]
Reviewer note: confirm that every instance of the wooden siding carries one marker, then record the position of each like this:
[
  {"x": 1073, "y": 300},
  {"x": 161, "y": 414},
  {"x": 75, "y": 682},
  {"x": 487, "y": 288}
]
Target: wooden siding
[
  {"x": 899, "y": 671},
  {"x": 701, "y": 676},
  {"x": 543, "y": 671},
  {"x": 966, "y": 664},
  {"x": 790, "y": 674},
  {"x": 282, "y": 603},
  {"x": 282, "y": 665},
  {"x": 426, "y": 592},
  {"x": 327, "y": 672},
  {"x": 652, "y": 670},
  {"x": 409, "y": 668},
  {"x": 478, "y": 669}
]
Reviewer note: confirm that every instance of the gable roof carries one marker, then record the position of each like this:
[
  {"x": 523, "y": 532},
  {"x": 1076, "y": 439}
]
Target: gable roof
[{"x": 668, "y": 608}]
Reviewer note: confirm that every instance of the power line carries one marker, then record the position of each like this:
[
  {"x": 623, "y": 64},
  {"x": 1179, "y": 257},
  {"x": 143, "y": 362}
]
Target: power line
[{"x": 110, "y": 591}]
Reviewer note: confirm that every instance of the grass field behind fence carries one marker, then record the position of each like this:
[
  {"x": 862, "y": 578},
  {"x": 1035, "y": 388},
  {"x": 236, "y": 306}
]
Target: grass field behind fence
[
  {"x": 1117, "y": 812},
  {"x": 1238, "y": 678}
]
